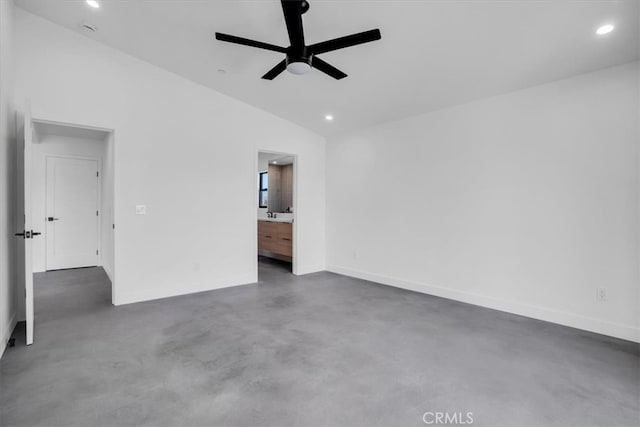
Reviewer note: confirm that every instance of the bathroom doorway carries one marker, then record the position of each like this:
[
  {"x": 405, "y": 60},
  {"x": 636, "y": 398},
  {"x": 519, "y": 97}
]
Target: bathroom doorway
[{"x": 276, "y": 213}]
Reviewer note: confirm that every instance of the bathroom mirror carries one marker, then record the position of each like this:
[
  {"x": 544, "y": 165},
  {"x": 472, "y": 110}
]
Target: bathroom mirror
[{"x": 275, "y": 183}]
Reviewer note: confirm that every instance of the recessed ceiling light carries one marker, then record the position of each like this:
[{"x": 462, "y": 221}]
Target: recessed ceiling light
[
  {"x": 93, "y": 3},
  {"x": 328, "y": 117},
  {"x": 605, "y": 29}
]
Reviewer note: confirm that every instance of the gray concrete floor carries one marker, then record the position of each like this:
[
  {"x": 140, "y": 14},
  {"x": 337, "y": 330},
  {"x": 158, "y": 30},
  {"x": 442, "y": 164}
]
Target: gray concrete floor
[{"x": 317, "y": 350}]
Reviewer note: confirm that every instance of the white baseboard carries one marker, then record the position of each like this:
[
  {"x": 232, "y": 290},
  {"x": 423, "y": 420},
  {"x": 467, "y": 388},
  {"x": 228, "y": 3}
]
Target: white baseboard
[
  {"x": 564, "y": 318},
  {"x": 308, "y": 269},
  {"x": 7, "y": 334},
  {"x": 108, "y": 271},
  {"x": 153, "y": 294}
]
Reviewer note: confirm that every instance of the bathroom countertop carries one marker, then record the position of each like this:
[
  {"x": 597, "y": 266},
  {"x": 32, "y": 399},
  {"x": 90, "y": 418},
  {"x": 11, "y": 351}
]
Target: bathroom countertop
[{"x": 289, "y": 220}]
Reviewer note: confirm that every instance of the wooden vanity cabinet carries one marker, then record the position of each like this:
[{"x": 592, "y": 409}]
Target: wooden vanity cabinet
[{"x": 275, "y": 239}]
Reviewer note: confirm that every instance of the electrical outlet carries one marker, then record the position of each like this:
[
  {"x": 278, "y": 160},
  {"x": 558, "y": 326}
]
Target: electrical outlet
[{"x": 601, "y": 294}]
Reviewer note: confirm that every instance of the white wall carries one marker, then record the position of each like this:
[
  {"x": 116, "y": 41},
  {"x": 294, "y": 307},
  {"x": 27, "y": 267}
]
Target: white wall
[
  {"x": 70, "y": 146},
  {"x": 525, "y": 202},
  {"x": 8, "y": 295},
  {"x": 179, "y": 148}
]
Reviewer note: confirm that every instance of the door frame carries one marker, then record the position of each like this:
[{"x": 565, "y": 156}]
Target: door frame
[
  {"x": 98, "y": 207},
  {"x": 25, "y": 128},
  {"x": 111, "y": 139},
  {"x": 254, "y": 182}
]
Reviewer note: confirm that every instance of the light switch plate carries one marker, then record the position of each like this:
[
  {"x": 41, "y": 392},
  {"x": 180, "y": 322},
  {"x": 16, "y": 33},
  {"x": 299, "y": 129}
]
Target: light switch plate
[{"x": 141, "y": 209}]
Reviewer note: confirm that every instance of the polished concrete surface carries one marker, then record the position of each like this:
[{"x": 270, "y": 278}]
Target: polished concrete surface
[{"x": 317, "y": 350}]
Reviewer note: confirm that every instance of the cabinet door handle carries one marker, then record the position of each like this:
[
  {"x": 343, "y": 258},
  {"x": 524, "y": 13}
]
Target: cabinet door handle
[
  {"x": 285, "y": 238},
  {"x": 268, "y": 237}
]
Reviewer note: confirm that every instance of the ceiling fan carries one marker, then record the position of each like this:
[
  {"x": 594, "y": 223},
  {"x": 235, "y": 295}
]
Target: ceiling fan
[{"x": 300, "y": 58}]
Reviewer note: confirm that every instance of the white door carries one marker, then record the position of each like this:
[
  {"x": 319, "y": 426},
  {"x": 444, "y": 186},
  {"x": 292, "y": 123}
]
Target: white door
[
  {"x": 23, "y": 214},
  {"x": 72, "y": 213}
]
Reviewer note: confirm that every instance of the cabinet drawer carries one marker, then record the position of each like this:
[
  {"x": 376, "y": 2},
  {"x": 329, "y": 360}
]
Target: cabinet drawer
[
  {"x": 283, "y": 247},
  {"x": 266, "y": 227},
  {"x": 267, "y": 244},
  {"x": 285, "y": 230}
]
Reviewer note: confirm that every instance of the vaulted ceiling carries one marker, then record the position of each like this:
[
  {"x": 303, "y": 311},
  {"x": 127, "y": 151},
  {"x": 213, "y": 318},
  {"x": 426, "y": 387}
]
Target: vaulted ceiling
[{"x": 432, "y": 54}]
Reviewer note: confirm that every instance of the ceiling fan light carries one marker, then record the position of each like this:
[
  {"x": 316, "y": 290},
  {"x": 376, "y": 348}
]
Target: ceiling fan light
[{"x": 298, "y": 68}]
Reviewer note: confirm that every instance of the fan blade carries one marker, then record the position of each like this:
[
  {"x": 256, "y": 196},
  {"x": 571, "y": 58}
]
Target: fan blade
[
  {"x": 275, "y": 71},
  {"x": 346, "y": 41},
  {"x": 248, "y": 42},
  {"x": 292, "y": 10},
  {"x": 326, "y": 68}
]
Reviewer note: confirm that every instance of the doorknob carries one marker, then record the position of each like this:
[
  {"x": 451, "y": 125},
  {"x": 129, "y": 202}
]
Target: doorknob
[{"x": 50, "y": 219}]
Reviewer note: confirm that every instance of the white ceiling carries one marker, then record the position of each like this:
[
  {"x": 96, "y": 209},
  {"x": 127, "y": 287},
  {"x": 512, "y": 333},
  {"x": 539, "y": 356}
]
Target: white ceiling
[
  {"x": 432, "y": 54},
  {"x": 282, "y": 161},
  {"x": 271, "y": 157}
]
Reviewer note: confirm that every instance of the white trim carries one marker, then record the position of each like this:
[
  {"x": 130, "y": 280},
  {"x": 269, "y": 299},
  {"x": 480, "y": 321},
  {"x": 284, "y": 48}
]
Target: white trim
[
  {"x": 98, "y": 160},
  {"x": 564, "y": 318},
  {"x": 254, "y": 203},
  {"x": 108, "y": 272},
  {"x": 7, "y": 334},
  {"x": 71, "y": 125},
  {"x": 308, "y": 269},
  {"x": 110, "y": 139},
  {"x": 154, "y": 294}
]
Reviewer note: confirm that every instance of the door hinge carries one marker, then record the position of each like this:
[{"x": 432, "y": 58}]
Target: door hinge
[
  {"x": 96, "y": 213},
  {"x": 96, "y": 252},
  {"x": 98, "y": 174}
]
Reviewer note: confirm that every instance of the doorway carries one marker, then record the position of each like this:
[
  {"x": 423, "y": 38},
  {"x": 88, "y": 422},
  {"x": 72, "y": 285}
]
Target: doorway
[
  {"x": 276, "y": 213},
  {"x": 65, "y": 209}
]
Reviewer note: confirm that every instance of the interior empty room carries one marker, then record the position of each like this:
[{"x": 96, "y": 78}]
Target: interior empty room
[{"x": 319, "y": 213}]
